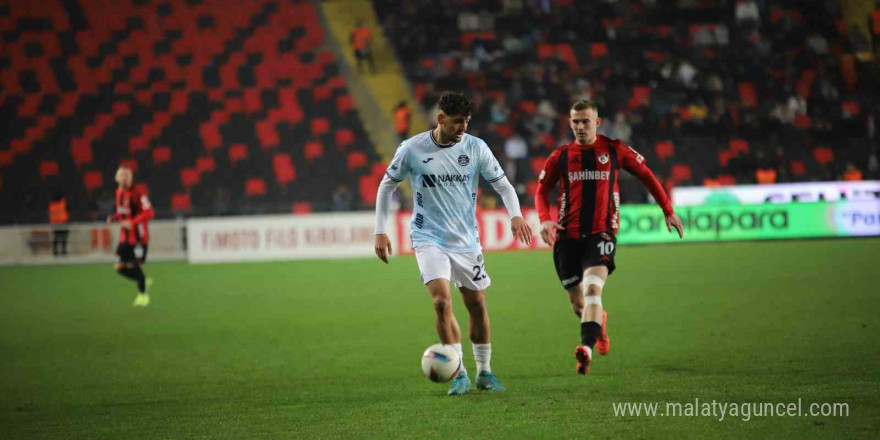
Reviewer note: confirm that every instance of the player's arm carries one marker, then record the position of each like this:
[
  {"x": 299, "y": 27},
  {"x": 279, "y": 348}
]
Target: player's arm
[
  {"x": 491, "y": 170},
  {"x": 520, "y": 228},
  {"x": 147, "y": 212},
  {"x": 634, "y": 163},
  {"x": 546, "y": 181},
  {"x": 396, "y": 172}
]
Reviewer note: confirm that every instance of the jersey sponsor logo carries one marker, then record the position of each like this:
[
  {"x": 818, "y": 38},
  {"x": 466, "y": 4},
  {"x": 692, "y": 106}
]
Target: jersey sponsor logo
[
  {"x": 574, "y": 176},
  {"x": 463, "y": 160},
  {"x": 432, "y": 180},
  {"x": 639, "y": 157},
  {"x": 428, "y": 160},
  {"x": 394, "y": 167},
  {"x": 603, "y": 158}
]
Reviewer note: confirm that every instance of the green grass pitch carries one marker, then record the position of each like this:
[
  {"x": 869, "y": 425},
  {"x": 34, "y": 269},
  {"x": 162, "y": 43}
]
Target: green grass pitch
[{"x": 331, "y": 349}]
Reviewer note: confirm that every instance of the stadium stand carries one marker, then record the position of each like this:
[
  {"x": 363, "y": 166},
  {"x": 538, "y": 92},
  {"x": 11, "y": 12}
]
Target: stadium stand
[
  {"x": 709, "y": 92},
  {"x": 220, "y": 109}
]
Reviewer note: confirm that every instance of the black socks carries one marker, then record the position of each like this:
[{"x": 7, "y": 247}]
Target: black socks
[{"x": 589, "y": 333}]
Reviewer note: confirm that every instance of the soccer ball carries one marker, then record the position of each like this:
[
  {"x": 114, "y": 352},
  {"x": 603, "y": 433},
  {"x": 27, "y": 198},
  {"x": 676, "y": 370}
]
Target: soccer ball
[{"x": 441, "y": 363}]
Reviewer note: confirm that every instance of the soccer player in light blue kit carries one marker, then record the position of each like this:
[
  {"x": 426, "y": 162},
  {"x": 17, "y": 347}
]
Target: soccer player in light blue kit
[{"x": 444, "y": 166}]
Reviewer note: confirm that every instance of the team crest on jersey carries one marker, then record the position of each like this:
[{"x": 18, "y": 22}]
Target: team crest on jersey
[
  {"x": 463, "y": 160},
  {"x": 603, "y": 158},
  {"x": 479, "y": 258}
]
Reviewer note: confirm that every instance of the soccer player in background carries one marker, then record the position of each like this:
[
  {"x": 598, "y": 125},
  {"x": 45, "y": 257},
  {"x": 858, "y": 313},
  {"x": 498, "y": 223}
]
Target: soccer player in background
[
  {"x": 133, "y": 210},
  {"x": 444, "y": 165},
  {"x": 584, "y": 238}
]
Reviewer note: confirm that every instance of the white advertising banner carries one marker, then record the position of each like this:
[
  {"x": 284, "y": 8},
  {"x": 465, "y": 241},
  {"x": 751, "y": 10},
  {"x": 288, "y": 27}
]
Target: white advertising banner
[
  {"x": 282, "y": 237},
  {"x": 779, "y": 193}
]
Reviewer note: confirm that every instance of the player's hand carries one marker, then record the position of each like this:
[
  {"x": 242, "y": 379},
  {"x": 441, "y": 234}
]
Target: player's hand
[
  {"x": 672, "y": 221},
  {"x": 548, "y": 231},
  {"x": 110, "y": 219},
  {"x": 521, "y": 230},
  {"x": 383, "y": 247},
  {"x": 125, "y": 224}
]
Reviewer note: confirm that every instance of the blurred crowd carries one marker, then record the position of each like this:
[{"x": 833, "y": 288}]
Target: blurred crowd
[{"x": 731, "y": 90}]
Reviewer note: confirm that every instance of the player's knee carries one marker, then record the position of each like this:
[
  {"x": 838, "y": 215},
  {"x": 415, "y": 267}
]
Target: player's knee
[
  {"x": 117, "y": 266},
  {"x": 475, "y": 303},
  {"x": 442, "y": 305}
]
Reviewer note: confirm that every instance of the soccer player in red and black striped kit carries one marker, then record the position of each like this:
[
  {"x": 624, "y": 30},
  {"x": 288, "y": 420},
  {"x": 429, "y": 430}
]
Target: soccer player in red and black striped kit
[
  {"x": 133, "y": 211},
  {"x": 583, "y": 239}
]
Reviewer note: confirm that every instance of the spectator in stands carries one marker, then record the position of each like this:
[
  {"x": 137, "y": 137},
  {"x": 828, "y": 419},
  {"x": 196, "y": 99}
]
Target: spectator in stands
[
  {"x": 361, "y": 40},
  {"x": 852, "y": 173},
  {"x": 58, "y": 218},
  {"x": 402, "y": 119},
  {"x": 342, "y": 198},
  {"x": 747, "y": 13},
  {"x": 516, "y": 152}
]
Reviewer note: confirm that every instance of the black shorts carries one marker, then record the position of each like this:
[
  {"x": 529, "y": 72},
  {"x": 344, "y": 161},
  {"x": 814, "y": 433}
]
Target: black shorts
[
  {"x": 573, "y": 256},
  {"x": 126, "y": 254}
]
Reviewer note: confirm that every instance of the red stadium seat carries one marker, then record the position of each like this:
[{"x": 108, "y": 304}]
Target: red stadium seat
[
  {"x": 681, "y": 172},
  {"x": 189, "y": 177},
  {"x": 344, "y": 104},
  {"x": 237, "y": 152},
  {"x": 255, "y": 187},
  {"x": 48, "y": 168},
  {"x": 738, "y": 146},
  {"x": 823, "y": 155},
  {"x": 301, "y": 208},
  {"x": 161, "y": 155},
  {"x": 180, "y": 202},
  {"x": 284, "y": 169},
  {"x": 802, "y": 121},
  {"x": 724, "y": 157},
  {"x": 850, "y": 108},
  {"x": 726, "y": 180},
  {"x": 344, "y": 138},
  {"x": 538, "y": 165},
  {"x": 320, "y": 126},
  {"x": 313, "y": 150},
  {"x": 798, "y": 168},
  {"x": 81, "y": 151},
  {"x": 93, "y": 180},
  {"x": 356, "y": 159},
  {"x": 6, "y": 157},
  {"x": 598, "y": 50},
  {"x": 664, "y": 150},
  {"x": 529, "y": 107},
  {"x": 205, "y": 164}
]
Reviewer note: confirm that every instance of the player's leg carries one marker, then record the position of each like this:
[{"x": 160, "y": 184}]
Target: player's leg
[
  {"x": 576, "y": 298},
  {"x": 469, "y": 273},
  {"x": 444, "y": 320},
  {"x": 593, "y": 319},
  {"x": 128, "y": 267}
]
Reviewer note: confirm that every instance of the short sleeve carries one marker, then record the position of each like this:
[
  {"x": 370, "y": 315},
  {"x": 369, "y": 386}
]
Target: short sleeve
[
  {"x": 398, "y": 168},
  {"x": 490, "y": 169}
]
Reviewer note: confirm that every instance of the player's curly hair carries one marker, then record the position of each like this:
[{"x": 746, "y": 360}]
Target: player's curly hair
[{"x": 454, "y": 103}]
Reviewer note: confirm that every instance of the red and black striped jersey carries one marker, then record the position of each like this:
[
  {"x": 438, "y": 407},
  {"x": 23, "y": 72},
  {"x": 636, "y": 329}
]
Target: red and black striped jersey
[
  {"x": 589, "y": 196},
  {"x": 133, "y": 206}
]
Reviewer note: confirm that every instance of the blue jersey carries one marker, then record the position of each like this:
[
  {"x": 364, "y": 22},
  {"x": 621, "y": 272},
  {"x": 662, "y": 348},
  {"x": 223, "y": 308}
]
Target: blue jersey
[{"x": 444, "y": 181}]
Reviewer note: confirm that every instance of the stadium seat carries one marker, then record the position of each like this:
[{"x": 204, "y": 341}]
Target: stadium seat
[
  {"x": 320, "y": 126},
  {"x": 48, "y": 168},
  {"x": 81, "y": 152},
  {"x": 189, "y": 177},
  {"x": 6, "y": 157},
  {"x": 598, "y": 50},
  {"x": 664, "y": 150},
  {"x": 344, "y": 138},
  {"x": 93, "y": 180},
  {"x": 798, "y": 168},
  {"x": 255, "y": 187},
  {"x": 344, "y": 104},
  {"x": 284, "y": 169},
  {"x": 528, "y": 107},
  {"x": 161, "y": 155},
  {"x": 356, "y": 159},
  {"x": 802, "y": 121},
  {"x": 850, "y": 108},
  {"x": 205, "y": 164},
  {"x": 181, "y": 202},
  {"x": 681, "y": 172},
  {"x": 738, "y": 146},
  {"x": 538, "y": 165},
  {"x": 300, "y": 208},
  {"x": 237, "y": 152},
  {"x": 823, "y": 155},
  {"x": 130, "y": 163},
  {"x": 313, "y": 150}
]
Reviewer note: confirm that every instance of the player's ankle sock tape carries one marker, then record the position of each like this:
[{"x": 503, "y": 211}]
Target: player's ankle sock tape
[
  {"x": 589, "y": 332},
  {"x": 592, "y": 299}
]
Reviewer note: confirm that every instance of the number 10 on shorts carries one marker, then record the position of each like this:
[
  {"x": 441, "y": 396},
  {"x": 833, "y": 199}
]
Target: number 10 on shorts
[{"x": 605, "y": 247}]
